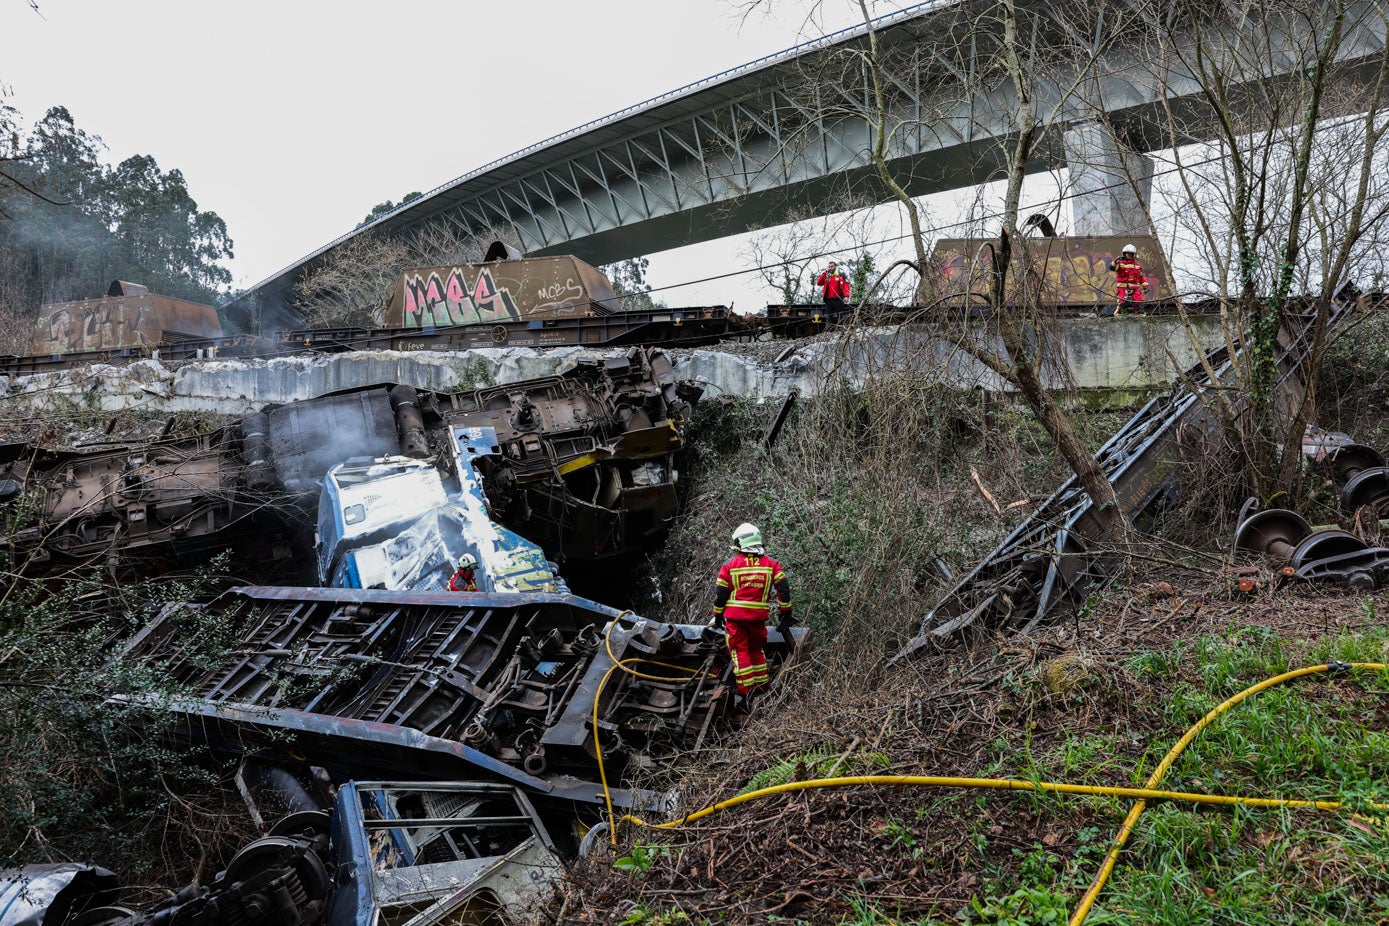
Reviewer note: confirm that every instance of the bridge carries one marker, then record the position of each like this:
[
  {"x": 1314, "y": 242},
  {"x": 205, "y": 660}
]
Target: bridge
[{"x": 738, "y": 150}]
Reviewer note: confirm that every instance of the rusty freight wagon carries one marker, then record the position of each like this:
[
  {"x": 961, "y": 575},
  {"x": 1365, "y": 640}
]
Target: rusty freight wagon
[
  {"x": 128, "y": 316},
  {"x": 1062, "y": 271},
  {"x": 498, "y": 291}
]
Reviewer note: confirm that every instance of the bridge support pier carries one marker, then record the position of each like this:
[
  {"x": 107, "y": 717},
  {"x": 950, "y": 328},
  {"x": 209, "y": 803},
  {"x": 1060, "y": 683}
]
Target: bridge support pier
[{"x": 1110, "y": 185}]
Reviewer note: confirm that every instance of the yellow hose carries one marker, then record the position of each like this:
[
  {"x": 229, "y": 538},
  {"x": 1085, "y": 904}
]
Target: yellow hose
[
  {"x": 996, "y": 784},
  {"x": 625, "y": 666},
  {"x": 1142, "y": 795},
  {"x": 1111, "y": 857}
]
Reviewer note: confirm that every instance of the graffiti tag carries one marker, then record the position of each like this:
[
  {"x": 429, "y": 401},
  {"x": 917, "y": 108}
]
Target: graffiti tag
[
  {"x": 1078, "y": 272},
  {"x": 95, "y": 326},
  {"x": 442, "y": 301}
]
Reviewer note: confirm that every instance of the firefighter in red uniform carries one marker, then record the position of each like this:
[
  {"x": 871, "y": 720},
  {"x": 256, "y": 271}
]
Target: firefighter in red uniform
[
  {"x": 835, "y": 286},
  {"x": 1129, "y": 280},
  {"x": 743, "y": 603},
  {"x": 463, "y": 580}
]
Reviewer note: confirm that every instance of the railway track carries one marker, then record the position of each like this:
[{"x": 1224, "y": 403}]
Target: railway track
[
  {"x": 694, "y": 326},
  {"x": 683, "y": 327}
]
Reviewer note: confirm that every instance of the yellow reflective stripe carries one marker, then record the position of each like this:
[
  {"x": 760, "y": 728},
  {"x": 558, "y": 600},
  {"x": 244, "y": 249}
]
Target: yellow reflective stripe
[
  {"x": 587, "y": 459},
  {"x": 721, "y": 583}
]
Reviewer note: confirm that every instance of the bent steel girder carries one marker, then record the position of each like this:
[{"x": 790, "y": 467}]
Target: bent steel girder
[{"x": 1061, "y": 551}]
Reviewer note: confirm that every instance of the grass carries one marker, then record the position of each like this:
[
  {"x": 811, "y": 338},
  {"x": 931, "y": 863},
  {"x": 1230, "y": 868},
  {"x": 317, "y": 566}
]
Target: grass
[
  {"x": 1318, "y": 737},
  {"x": 858, "y": 500},
  {"x": 1322, "y": 737}
]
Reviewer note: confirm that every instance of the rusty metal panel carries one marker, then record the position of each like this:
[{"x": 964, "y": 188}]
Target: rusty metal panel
[
  {"x": 306, "y": 438},
  {"x": 1064, "y": 270},
  {"x": 499, "y": 292},
  {"x": 126, "y": 321},
  {"x": 124, "y": 288}
]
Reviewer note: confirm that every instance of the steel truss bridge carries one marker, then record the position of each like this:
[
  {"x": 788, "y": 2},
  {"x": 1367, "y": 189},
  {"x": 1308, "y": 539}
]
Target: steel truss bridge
[{"x": 737, "y": 150}]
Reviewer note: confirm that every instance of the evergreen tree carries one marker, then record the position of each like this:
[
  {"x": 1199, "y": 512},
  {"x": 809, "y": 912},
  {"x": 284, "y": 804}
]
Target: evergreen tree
[
  {"x": 380, "y": 209},
  {"x": 860, "y": 273},
  {"x": 69, "y": 224},
  {"x": 628, "y": 278}
]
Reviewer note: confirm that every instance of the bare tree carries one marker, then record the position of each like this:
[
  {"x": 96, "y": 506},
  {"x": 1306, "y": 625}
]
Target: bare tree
[
  {"x": 1280, "y": 176},
  {"x": 1042, "y": 88},
  {"x": 979, "y": 70},
  {"x": 355, "y": 282},
  {"x": 788, "y": 257}
]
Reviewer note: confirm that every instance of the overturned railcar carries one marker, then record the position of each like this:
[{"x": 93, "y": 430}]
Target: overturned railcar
[
  {"x": 520, "y": 688},
  {"x": 585, "y": 468}
]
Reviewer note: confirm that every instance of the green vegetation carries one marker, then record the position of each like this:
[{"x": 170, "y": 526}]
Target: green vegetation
[
  {"x": 91, "y": 777},
  {"x": 641, "y": 858},
  {"x": 70, "y": 223},
  {"x": 1318, "y": 738},
  {"x": 387, "y": 207},
  {"x": 821, "y": 762},
  {"x": 861, "y": 496}
]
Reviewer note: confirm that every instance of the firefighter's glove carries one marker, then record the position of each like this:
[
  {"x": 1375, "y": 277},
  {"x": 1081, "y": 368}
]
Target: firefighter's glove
[
  {"x": 784, "y": 625},
  {"x": 717, "y": 622}
]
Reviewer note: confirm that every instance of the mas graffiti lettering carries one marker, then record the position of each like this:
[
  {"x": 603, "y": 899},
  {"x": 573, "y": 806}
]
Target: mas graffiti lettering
[{"x": 440, "y": 301}]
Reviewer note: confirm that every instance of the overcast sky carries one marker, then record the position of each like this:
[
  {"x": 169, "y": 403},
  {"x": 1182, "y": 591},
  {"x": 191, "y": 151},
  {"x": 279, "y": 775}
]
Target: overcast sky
[{"x": 292, "y": 119}]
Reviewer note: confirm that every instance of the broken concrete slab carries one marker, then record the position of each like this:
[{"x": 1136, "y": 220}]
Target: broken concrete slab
[{"x": 1128, "y": 355}]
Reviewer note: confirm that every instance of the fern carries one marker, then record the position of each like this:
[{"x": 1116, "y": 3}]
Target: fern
[{"x": 813, "y": 764}]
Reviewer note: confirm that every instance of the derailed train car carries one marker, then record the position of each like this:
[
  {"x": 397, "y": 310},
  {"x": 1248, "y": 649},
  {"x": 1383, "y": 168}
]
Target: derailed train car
[
  {"x": 498, "y": 684},
  {"x": 585, "y": 468},
  {"x": 498, "y": 723},
  {"x": 513, "y": 717}
]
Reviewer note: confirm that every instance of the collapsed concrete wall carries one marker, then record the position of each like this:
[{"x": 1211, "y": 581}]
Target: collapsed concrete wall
[{"x": 1127, "y": 355}]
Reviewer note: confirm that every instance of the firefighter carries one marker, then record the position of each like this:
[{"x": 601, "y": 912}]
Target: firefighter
[
  {"x": 463, "y": 580},
  {"x": 835, "y": 286},
  {"x": 743, "y": 604},
  {"x": 1129, "y": 280}
]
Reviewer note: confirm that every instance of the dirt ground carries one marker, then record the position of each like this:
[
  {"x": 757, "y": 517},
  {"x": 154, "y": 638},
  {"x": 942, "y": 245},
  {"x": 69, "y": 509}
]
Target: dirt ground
[{"x": 974, "y": 708}]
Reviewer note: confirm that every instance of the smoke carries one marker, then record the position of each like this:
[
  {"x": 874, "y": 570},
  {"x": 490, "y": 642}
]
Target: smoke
[{"x": 308, "y": 438}]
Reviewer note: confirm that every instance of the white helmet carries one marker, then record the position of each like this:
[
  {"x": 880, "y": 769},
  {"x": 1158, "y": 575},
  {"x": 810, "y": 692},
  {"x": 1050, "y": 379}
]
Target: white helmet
[
  {"x": 1129, "y": 249},
  {"x": 747, "y": 539},
  {"x": 467, "y": 561}
]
